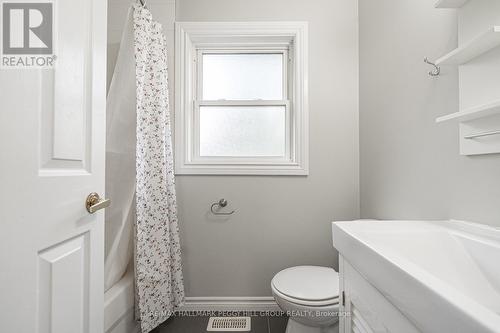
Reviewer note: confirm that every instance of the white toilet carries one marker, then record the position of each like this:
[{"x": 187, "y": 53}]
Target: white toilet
[{"x": 310, "y": 296}]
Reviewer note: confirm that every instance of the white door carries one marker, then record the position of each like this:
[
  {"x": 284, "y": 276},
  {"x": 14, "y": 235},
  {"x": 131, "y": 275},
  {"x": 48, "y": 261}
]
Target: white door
[{"x": 52, "y": 148}]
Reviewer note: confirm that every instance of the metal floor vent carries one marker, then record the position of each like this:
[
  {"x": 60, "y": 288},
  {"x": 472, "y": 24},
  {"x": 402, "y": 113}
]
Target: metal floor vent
[{"x": 229, "y": 324}]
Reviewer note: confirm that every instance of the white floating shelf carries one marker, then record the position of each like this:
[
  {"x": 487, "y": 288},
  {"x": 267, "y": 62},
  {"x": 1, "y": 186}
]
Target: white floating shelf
[
  {"x": 479, "y": 45},
  {"x": 473, "y": 113},
  {"x": 450, "y": 3}
]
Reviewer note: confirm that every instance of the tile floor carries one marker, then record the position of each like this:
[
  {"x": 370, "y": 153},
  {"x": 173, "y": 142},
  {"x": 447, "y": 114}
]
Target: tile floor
[{"x": 261, "y": 323}]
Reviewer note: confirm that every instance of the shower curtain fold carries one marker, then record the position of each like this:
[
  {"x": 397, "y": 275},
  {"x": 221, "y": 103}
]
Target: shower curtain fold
[{"x": 159, "y": 281}]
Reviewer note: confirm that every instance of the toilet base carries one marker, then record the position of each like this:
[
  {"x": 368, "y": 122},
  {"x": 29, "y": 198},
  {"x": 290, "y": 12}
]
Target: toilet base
[{"x": 296, "y": 327}]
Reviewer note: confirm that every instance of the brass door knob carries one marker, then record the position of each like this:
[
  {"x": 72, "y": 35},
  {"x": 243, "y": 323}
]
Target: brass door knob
[{"x": 94, "y": 203}]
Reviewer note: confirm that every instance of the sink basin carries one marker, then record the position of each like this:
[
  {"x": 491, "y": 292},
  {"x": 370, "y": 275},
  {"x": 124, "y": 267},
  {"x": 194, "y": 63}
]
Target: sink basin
[{"x": 442, "y": 275}]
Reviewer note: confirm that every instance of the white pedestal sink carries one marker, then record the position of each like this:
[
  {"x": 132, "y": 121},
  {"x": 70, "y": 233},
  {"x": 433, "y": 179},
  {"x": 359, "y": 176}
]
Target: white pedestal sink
[{"x": 439, "y": 276}]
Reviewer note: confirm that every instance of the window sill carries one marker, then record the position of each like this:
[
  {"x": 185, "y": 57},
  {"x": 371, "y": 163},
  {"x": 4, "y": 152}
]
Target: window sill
[{"x": 249, "y": 170}]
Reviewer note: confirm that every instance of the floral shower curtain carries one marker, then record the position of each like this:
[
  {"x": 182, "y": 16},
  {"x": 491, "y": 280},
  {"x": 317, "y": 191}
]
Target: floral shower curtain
[{"x": 159, "y": 282}]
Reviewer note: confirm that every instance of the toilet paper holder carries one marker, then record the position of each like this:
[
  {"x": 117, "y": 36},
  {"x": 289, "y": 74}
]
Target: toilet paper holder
[{"x": 218, "y": 205}]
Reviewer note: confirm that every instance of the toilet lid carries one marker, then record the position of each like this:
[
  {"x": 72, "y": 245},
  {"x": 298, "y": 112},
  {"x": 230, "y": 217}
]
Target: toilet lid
[{"x": 311, "y": 283}]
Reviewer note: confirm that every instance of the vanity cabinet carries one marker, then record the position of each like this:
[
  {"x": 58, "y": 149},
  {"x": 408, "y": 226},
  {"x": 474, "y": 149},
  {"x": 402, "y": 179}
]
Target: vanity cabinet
[
  {"x": 418, "y": 276},
  {"x": 364, "y": 309}
]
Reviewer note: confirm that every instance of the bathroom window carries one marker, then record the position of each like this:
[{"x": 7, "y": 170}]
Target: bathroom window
[{"x": 241, "y": 98}]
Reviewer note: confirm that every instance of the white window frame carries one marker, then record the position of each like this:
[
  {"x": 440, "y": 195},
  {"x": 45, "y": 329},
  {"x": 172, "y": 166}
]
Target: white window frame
[{"x": 193, "y": 39}]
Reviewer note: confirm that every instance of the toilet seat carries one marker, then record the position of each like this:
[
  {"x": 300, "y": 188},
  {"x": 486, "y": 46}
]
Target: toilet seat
[
  {"x": 301, "y": 302},
  {"x": 307, "y": 285},
  {"x": 310, "y": 297}
]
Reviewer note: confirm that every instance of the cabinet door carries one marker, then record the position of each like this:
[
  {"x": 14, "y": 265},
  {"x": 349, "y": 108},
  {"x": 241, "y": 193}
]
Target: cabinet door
[{"x": 366, "y": 309}]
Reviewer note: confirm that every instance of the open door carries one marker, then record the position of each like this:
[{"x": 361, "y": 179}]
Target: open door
[{"x": 52, "y": 150}]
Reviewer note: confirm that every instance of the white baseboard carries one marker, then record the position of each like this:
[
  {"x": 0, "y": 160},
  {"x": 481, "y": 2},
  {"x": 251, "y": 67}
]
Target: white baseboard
[{"x": 230, "y": 304}]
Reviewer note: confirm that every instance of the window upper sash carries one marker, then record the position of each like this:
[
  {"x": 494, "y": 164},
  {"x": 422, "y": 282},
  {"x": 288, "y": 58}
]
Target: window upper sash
[{"x": 286, "y": 85}]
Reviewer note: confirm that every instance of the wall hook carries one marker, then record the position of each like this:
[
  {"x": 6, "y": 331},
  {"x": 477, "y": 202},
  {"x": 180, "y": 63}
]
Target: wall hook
[
  {"x": 220, "y": 204},
  {"x": 437, "y": 69}
]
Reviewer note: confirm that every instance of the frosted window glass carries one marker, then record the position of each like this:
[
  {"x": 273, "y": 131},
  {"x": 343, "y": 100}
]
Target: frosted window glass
[
  {"x": 243, "y": 76},
  {"x": 242, "y": 131}
]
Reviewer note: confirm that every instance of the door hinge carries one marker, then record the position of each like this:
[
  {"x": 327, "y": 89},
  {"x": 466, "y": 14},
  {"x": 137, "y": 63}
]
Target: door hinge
[{"x": 343, "y": 298}]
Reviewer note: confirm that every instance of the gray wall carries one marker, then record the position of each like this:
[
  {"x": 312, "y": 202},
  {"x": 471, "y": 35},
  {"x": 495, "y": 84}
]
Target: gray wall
[
  {"x": 280, "y": 221},
  {"x": 410, "y": 166}
]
